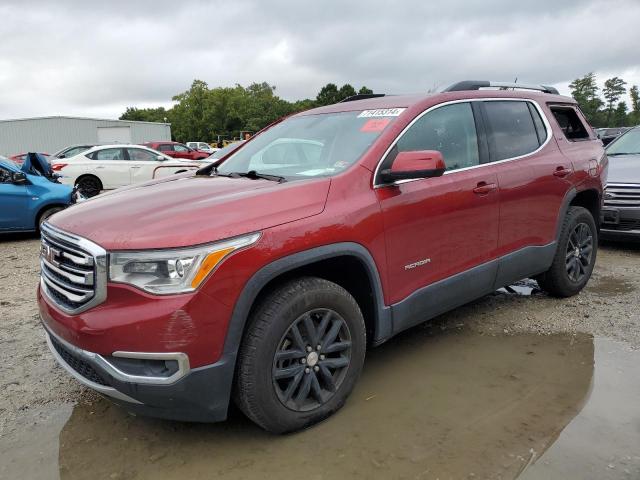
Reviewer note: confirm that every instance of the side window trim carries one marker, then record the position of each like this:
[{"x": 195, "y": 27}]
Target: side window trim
[{"x": 481, "y": 132}]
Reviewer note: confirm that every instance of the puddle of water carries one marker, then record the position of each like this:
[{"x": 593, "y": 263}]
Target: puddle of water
[
  {"x": 449, "y": 405},
  {"x": 32, "y": 451},
  {"x": 603, "y": 441},
  {"x": 609, "y": 285},
  {"x": 445, "y": 406}
]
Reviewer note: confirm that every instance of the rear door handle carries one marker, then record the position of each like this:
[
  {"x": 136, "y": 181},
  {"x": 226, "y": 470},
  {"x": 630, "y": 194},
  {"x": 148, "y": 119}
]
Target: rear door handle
[
  {"x": 135, "y": 167},
  {"x": 562, "y": 172},
  {"x": 483, "y": 188}
]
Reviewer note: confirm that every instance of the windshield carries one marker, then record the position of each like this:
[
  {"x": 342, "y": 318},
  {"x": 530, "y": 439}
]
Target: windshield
[
  {"x": 629, "y": 143},
  {"x": 308, "y": 146}
]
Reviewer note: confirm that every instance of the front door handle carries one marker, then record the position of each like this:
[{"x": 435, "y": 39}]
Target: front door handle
[
  {"x": 562, "y": 172},
  {"x": 483, "y": 188},
  {"x": 135, "y": 167}
]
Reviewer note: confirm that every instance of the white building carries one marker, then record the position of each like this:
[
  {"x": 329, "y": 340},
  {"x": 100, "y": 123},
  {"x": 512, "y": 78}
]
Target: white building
[{"x": 50, "y": 134}]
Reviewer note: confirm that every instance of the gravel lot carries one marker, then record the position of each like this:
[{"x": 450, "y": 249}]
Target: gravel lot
[{"x": 33, "y": 385}]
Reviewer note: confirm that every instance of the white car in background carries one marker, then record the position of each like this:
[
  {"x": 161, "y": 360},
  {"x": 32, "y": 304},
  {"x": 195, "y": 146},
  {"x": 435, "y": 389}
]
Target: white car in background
[
  {"x": 106, "y": 167},
  {"x": 202, "y": 146}
]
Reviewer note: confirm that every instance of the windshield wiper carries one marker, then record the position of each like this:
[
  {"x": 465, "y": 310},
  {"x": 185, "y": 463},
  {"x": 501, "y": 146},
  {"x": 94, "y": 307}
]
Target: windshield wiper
[
  {"x": 253, "y": 175},
  {"x": 622, "y": 153}
]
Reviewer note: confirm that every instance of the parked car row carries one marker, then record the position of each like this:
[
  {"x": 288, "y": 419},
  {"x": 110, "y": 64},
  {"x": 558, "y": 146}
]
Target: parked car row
[
  {"x": 94, "y": 168},
  {"x": 106, "y": 167},
  {"x": 191, "y": 151}
]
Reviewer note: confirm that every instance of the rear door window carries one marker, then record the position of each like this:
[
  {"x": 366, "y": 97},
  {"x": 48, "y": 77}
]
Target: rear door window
[
  {"x": 109, "y": 154},
  {"x": 165, "y": 147},
  {"x": 513, "y": 132},
  {"x": 570, "y": 123}
]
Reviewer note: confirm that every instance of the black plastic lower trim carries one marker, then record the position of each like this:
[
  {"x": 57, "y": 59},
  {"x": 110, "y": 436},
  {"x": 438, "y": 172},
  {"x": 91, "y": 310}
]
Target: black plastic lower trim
[{"x": 449, "y": 293}]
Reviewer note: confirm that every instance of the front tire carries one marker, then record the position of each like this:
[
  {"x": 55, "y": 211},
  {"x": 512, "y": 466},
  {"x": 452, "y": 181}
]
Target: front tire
[
  {"x": 575, "y": 255},
  {"x": 301, "y": 355}
]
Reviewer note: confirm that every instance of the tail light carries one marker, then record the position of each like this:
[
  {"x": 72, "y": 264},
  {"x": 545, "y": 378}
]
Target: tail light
[{"x": 56, "y": 167}]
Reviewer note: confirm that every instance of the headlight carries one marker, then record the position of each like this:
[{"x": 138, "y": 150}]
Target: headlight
[{"x": 173, "y": 271}]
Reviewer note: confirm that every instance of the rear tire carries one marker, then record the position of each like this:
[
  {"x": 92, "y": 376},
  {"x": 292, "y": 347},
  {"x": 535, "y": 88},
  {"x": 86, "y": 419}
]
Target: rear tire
[
  {"x": 575, "y": 255},
  {"x": 89, "y": 185},
  {"x": 301, "y": 355}
]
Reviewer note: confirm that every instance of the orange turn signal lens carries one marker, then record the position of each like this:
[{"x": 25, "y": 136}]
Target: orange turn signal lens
[{"x": 209, "y": 263}]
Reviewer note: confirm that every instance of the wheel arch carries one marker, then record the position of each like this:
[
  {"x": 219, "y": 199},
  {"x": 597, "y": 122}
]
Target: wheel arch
[
  {"x": 350, "y": 265},
  {"x": 85, "y": 175},
  {"x": 589, "y": 199},
  {"x": 46, "y": 207}
]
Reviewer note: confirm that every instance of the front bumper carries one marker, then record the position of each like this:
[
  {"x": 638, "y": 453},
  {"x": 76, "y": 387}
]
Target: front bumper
[
  {"x": 619, "y": 223},
  {"x": 200, "y": 395}
]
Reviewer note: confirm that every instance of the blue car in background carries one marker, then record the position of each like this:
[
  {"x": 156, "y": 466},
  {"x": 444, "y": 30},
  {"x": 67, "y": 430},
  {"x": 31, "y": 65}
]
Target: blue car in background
[{"x": 30, "y": 194}]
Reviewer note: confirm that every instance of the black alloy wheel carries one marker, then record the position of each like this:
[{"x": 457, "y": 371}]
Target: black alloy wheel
[
  {"x": 579, "y": 252},
  {"x": 301, "y": 354},
  {"x": 575, "y": 255},
  {"x": 311, "y": 360}
]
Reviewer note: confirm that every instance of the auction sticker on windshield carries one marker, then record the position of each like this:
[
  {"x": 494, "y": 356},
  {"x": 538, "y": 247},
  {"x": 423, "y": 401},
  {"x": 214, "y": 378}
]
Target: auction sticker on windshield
[{"x": 382, "y": 112}]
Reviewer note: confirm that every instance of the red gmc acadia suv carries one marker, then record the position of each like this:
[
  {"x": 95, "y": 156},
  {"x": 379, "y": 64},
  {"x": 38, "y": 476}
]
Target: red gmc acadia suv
[{"x": 265, "y": 277}]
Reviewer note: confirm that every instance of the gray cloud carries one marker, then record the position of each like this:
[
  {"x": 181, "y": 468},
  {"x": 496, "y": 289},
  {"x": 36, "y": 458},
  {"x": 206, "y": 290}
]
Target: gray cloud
[{"x": 85, "y": 58}]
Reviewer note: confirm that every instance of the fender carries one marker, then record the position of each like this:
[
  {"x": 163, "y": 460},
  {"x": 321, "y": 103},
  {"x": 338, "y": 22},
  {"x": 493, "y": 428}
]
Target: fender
[
  {"x": 382, "y": 319},
  {"x": 566, "y": 201}
]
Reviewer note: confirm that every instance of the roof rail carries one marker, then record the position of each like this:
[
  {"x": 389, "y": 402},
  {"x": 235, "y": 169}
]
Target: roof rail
[
  {"x": 361, "y": 96},
  {"x": 478, "y": 84}
]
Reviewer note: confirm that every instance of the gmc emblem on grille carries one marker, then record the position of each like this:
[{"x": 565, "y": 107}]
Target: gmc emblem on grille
[{"x": 49, "y": 254}]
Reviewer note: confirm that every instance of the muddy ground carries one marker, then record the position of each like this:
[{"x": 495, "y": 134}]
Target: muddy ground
[{"x": 515, "y": 382}]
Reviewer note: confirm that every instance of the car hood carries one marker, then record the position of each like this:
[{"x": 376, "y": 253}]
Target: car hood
[
  {"x": 189, "y": 209},
  {"x": 624, "y": 169}
]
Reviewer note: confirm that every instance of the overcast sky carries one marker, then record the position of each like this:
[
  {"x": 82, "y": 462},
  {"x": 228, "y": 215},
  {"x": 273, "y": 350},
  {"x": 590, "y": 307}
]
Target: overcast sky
[{"x": 91, "y": 58}]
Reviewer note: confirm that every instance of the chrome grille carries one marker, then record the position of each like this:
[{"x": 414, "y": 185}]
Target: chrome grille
[
  {"x": 73, "y": 270},
  {"x": 622, "y": 195}
]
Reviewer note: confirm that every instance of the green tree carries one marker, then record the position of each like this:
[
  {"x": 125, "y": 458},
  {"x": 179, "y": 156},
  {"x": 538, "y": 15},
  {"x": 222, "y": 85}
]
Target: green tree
[
  {"x": 189, "y": 114},
  {"x": 634, "y": 115},
  {"x": 159, "y": 114},
  {"x": 365, "y": 91},
  {"x": 620, "y": 116},
  {"x": 613, "y": 89},
  {"x": 346, "y": 91},
  {"x": 585, "y": 91},
  {"x": 327, "y": 95}
]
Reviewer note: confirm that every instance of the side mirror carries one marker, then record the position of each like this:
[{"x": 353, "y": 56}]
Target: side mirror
[
  {"x": 160, "y": 158},
  {"x": 411, "y": 165},
  {"x": 62, "y": 155},
  {"x": 19, "y": 178}
]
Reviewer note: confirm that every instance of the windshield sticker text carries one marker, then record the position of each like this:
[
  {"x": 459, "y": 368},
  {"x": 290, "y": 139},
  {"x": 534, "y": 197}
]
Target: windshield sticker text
[{"x": 382, "y": 112}]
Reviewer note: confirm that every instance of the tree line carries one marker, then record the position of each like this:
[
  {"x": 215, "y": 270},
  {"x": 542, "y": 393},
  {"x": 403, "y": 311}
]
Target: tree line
[
  {"x": 212, "y": 114},
  {"x": 610, "y": 110}
]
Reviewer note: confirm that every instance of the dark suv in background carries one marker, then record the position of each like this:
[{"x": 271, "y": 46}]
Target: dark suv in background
[
  {"x": 621, "y": 212},
  {"x": 265, "y": 276}
]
